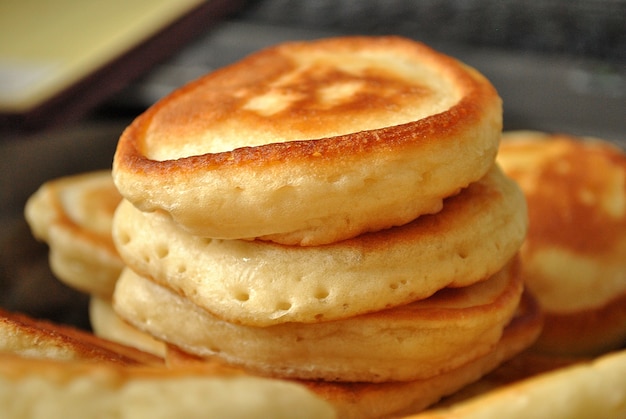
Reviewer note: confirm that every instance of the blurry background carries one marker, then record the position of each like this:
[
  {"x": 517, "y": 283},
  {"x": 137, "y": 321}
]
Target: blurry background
[
  {"x": 577, "y": 27},
  {"x": 559, "y": 65}
]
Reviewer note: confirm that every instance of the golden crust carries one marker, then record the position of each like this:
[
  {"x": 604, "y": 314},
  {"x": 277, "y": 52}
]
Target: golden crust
[
  {"x": 476, "y": 233},
  {"x": 212, "y": 157},
  {"x": 24, "y": 336},
  {"x": 73, "y": 216}
]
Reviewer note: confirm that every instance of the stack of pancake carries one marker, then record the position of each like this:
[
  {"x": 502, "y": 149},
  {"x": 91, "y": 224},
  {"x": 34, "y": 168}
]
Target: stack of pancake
[{"x": 328, "y": 212}]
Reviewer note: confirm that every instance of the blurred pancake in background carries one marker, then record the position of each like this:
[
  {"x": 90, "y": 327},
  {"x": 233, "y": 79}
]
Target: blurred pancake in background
[
  {"x": 73, "y": 216},
  {"x": 574, "y": 258}
]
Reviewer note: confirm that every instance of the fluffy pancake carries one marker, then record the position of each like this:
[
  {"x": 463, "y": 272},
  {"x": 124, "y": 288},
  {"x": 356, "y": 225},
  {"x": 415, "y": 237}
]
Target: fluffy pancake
[
  {"x": 260, "y": 283},
  {"x": 73, "y": 215},
  {"x": 596, "y": 389},
  {"x": 414, "y": 341},
  {"x": 50, "y": 389},
  {"x": 27, "y": 337},
  {"x": 273, "y": 145},
  {"x": 394, "y": 399},
  {"x": 108, "y": 325},
  {"x": 574, "y": 257}
]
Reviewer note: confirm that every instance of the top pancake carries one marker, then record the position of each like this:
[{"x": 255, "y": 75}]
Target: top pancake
[
  {"x": 575, "y": 252},
  {"x": 270, "y": 147}
]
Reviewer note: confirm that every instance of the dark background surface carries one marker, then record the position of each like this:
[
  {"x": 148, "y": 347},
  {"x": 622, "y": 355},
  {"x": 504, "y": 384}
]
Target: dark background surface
[{"x": 559, "y": 66}]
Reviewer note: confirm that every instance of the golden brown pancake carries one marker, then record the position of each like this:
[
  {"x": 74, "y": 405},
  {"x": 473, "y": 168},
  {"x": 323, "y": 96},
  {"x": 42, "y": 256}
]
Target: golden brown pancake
[
  {"x": 27, "y": 337},
  {"x": 414, "y": 341},
  {"x": 395, "y": 399},
  {"x": 272, "y": 146},
  {"x": 574, "y": 257},
  {"x": 52, "y": 389},
  {"x": 73, "y": 215},
  {"x": 260, "y": 284},
  {"x": 106, "y": 324},
  {"x": 595, "y": 389}
]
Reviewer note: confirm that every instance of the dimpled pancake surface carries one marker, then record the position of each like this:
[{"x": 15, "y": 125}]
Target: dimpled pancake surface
[
  {"x": 73, "y": 215},
  {"x": 414, "y": 341},
  {"x": 272, "y": 146},
  {"x": 576, "y": 192},
  {"x": 261, "y": 283}
]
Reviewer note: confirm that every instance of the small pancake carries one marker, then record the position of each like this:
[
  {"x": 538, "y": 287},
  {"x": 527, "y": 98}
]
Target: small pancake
[
  {"x": 414, "y": 341},
  {"x": 273, "y": 145},
  {"x": 260, "y": 283},
  {"x": 595, "y": 389},
  {"x": 574, "y": 257},
  {"x": 395, "y": 399},
  {"x": 51, "y": 389},
  {"x": 27, "y": 337},
  {"x": 108, "y": 325},
  {"x": 73, "y": 215}
]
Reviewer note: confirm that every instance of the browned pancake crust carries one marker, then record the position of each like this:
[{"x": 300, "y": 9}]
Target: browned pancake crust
[
  {"x": 25, "y": 336},
  {"x": 559, "y": 212}
]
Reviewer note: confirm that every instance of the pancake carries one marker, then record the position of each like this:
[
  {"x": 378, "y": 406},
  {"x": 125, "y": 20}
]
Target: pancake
[
  {"x": 271, "y": 147},
  {"x": 526, "y": 364},
  {"x": 260, "y": 283},
  {"x": 73, "y": 215},
  {"x": 108, "y": 325},
  {"x": 51, "y": 389},
  {"x": 574, "y": 257},
  {"x": 395, "y": 399},
  {"x": 410, "y": 342},
  {"x": 24, "y": 336},
  {"x": 595, "y": 389}
]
